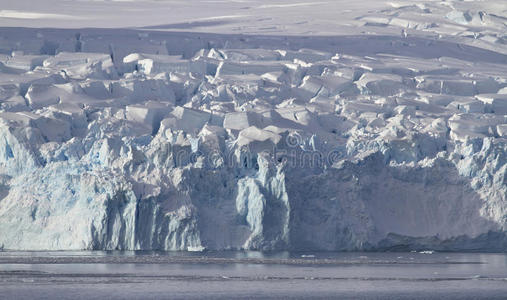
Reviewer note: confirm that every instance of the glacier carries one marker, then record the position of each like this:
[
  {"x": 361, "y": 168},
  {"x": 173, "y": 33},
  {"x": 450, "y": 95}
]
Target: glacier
[{"x": 148, "y": 139}]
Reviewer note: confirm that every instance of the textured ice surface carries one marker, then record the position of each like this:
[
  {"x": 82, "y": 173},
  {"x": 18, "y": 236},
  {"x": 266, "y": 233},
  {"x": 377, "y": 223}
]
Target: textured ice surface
[{"x": 390, "y": 135}]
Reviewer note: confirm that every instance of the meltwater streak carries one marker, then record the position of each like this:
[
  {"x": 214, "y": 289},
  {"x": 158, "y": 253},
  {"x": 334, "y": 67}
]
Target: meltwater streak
[{"x": 131, "y": 275}]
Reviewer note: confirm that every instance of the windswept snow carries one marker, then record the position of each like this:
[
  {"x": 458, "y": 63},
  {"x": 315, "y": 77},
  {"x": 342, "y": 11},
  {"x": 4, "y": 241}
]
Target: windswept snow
[{"x": 223, "y": 129}]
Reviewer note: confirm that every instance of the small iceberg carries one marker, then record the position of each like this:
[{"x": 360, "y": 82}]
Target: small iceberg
[{"x": 196, "y": 248}]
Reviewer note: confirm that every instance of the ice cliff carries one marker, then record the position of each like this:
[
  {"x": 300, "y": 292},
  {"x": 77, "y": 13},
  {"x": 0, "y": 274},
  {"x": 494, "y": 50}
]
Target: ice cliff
[{"x": 156, "y": 141}]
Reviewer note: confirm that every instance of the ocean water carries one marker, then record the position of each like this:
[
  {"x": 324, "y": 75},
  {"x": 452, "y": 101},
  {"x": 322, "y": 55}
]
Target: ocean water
[{"x": 252, "y": 275}]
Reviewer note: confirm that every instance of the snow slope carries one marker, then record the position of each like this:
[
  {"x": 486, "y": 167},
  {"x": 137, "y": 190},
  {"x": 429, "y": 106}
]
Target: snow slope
[{"x": 253, "y": 125}]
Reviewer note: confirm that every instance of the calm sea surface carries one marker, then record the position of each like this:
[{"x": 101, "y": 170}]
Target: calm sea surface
[{"x": 251, "y": 275}]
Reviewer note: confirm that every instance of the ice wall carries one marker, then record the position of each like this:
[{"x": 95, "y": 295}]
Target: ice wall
[{"x": 251, "y": 144}]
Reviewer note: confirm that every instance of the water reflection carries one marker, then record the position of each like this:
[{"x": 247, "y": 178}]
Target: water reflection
[{"x": 233, "y": 274}]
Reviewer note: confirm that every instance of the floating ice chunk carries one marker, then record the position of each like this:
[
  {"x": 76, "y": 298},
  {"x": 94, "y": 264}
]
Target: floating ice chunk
[{"x": 196, "y": 248}]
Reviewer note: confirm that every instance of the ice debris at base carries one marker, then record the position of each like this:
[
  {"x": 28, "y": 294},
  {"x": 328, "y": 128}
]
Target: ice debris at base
[{"x": 126, "y": 139}]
